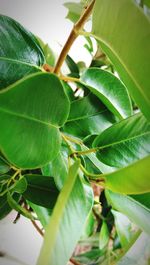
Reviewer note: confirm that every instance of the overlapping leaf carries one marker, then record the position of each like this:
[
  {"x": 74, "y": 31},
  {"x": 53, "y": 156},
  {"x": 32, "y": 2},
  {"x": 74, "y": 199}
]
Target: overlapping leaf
[
  {"x": 136, "y": 211},
  {"x": 31, "y": 112},
  {"x": 124, "y": 142},
  {"x": 68, "y": 218},
  {"x": 109, "y": 89},
  {"x": 122, "y": 36},
  {"x": 20, "y": 52}
]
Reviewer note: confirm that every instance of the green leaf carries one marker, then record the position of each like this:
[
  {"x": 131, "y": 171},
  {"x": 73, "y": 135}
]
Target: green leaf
[
  {"x": 14, "y": 205},
  {"x": 20, "y": 52},
  {"x": 20, "y": 186},
  {"x": 58, "y": 169},
  {"x": 133, "y": 179},
  {"x": 124, "y": 142},
  {"x": 73, "y": 67},
  {"x": 72, "y": 208},
  {"x": 74, "y": 11},
  {"x": 104, "y": 236},
  {"x": 43, "y": 214},
  {"x": 5, "y": 208},
  {"x": 4, "y": 168},
  {"x": 137, "y": 212},
  {"x": 48, "y": 53},
  {"x": 110, "y": 90},
  {"x": 91, "y": 257},
  {"x": 41, "y": 190},
  {"x": 122, "y": 36},
  {"x": 29, "y": 135},
  {"x": 123, "y": 227},
  {"x": 87, "y": 116}
]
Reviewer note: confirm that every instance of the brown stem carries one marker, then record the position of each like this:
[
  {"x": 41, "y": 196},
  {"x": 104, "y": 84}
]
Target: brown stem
[
  {"x": 73, "y": 35},
  {"x": 37, "y": 228}
]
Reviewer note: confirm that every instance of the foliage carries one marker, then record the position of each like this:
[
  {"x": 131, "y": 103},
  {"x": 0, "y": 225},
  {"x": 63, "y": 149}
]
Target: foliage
[{"x": 77, "y": 159}]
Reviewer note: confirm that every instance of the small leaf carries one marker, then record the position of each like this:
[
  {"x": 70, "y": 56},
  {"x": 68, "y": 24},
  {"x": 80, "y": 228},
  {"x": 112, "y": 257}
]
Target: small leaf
[
  {"x": 74, "y": 11},
  {"x": 42, "y": 213},
  {"x": 133, "y": 179},
  {"x": 71, "y": 210},
  {"x": 4, "y": 168},
  {"x": 29, "y": 135},
  {"x": 104, "y": 236},
  {"x": 137, "y": 212},
  {"x": 73, "y": 67},
  {"x": 20, "y": 186},
  {"x": 110, "y": 90},
  {"x": 124, "y": 142},
  {"x": 41, "y": 190},
  {"x": 20, "y": 52},
  {"x": 48, "y": 53},
  {"x": 121, "y": 36},
  {"x": 5, "y": 208}
]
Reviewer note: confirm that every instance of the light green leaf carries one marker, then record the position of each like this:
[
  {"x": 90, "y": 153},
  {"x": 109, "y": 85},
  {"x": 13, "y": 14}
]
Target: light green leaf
[
  {"x": 41, "y": 190},
  {"x": 72, "y": 208},
  {"x": 103, "y": 236},
  {"x": 74, "y": 11},
  {"x": 123, "y": 227},
  {"x": 48, "y": 53},
  {"x": 138, "y": 213},
  {"x": 109, "y": 89},
  {"x": 133, "y": 179},
  {"x": 4, "y": 167},
  {"x": 121, "y": 36},
  {"x": 29, "y": 135},
  {"x": 124, "y": 142},
  {"x": 43, "y": 214},
  {"x": 20, "y": 52}
]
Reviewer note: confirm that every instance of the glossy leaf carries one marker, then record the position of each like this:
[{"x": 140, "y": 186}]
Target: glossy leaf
[
  {"x": 125, "y": 142},
  {"x": 88, "y": 116},
  {"x": 110, "y": 90},
  {"x": 72, "y": 208},
  {"x": 73, "y": 67},
  {"x": 41, "y": 190},
  {"x": 122, "y": 35},
  {"x": 20, "y": 52},
  {"x": 138, "y": 213},
  {"x": 29, "y": 135},
  {"x": 133, "y": 179}
]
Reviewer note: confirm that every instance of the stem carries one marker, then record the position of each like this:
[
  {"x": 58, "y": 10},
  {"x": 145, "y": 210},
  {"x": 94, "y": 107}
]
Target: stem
[
  {"x": 69, "y": 79},
  {"x": 37, "y": 228},
  {"x": 73, "y": 35},
  {"x": 92, "y": 150},
  {"x": 74, "y": 262}
]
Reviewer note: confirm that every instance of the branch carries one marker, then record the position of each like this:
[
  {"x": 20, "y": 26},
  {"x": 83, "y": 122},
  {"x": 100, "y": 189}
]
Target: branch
[{"x": 73, "y": 35}]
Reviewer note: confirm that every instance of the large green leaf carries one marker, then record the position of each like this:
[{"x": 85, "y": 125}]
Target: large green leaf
[
  {"x": 88, "y": 116},
  {"x": 124, "y": 33},
  {"x": 137, "y": 212},
  {"x": 109, "y": 89},
  {"x": 124, "y": 142},
  {"x": 67, "y": 221},
  {"x": 133, "y": 179},
  {"x": 20, "y": 52},
  {"x": 41, "y": 190},
  {"x": 29, "y": 135}
]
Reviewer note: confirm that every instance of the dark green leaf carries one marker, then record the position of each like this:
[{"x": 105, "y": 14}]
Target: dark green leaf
[
  {"x": 5, "y": 209},
  {"x": 72, "y": 208},
  {"x": 41, "y": 190},
  {"x": 29, "y": 135},
  {"x": 133, "y": 179},
  {"x": 73, "y": 67},
  {"x": 110, "y": 90},
  {"x": 137, "y": 212},
  {"x": 20, "y": 52},
  {"x": 122, "y": 36},
  {"x": 125, "y": 142}
]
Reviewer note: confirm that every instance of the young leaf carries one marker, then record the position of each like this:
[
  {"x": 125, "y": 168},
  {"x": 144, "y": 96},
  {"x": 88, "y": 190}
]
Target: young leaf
[
  {"x": 110, "y": 90},
  {"x": 137, "y": 212},
  {"x": 48, "y": 53},
  {"x": 20, "y": 186},
  {"x": 41, "y": 190},
  {"x": 124, "y": 142},
  {"x": 20, "y": 52},
  {"x": 104, "y": 236},
  {"x": 74, "y": 11},
  {"x": 122, "y": 36},
  {"x": 133, "y": 179},
  {"x": 67, "y": 221},
  {"x": 29, "y": 135}
]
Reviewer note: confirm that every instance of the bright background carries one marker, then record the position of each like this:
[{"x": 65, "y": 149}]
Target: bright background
[{"x": 46, "y": 19}]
